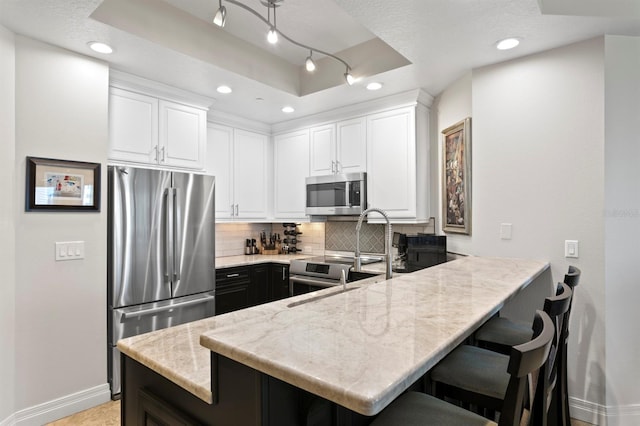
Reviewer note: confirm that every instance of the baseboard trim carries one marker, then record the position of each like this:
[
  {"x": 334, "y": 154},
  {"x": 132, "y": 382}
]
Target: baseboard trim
[
  {"x": 9, "y": 421},
  {"x": 587, "y": 411},
  {"x": 599, "y": 414},
  {"x": 62, "y": 407}
]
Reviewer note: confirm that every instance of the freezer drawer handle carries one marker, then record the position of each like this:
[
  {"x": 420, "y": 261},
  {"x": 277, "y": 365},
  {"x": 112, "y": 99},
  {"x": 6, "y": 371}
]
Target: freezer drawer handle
[{"x": 153, "y": 311}]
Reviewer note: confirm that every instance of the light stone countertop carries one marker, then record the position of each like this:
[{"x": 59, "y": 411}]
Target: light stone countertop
[
  {"x": 254, "y": 259},
  {"x": 360, "y": 348}
]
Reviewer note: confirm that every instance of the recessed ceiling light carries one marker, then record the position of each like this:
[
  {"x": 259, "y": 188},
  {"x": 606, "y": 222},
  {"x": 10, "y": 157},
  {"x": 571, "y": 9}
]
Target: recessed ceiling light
[
  {"x": 507, "y": 43},
  {"x": 96, "y": 46},
  {"x": 374, "y": 85},
  {"x": 288, "y": 109},
  {"x": 224, "y": 89}
]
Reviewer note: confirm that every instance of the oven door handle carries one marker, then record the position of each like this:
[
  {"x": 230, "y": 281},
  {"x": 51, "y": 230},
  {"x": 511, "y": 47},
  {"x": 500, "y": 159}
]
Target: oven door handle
[{"x": 296, "y": 279}]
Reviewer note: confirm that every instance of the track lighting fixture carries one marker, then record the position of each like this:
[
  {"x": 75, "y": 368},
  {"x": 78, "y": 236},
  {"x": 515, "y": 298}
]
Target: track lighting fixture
[
  {"x": 274, "y": 34},
  {"x": 349, "y": 77},
  {"x": 221, "y": 15},
  {"x": 309, "y": 64}
]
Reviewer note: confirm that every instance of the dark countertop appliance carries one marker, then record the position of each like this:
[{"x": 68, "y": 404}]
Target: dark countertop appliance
[{"x": 420, "y": 251}]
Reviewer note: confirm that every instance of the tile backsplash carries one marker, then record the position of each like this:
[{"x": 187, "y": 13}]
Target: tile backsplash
[
  {"x": 341, "y": 236},
  {"x": 315, "y": 237},
  {"x": 230, "y": 237}
]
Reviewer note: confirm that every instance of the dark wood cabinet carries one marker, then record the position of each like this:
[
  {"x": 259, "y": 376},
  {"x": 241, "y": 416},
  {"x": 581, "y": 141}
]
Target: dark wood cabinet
[
  {"x": 233, "y": 289},
  {"x": 279, "y": 281},
  {"x": 260, "y": 283},
  {"x": 244, "y": 286}
]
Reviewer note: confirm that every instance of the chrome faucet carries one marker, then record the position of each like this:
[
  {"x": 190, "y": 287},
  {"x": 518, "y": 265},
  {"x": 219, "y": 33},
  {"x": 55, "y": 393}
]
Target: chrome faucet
[{"x": 357, "y": 263}]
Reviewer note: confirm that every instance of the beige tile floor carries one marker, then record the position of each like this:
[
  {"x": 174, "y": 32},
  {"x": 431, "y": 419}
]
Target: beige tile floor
[{"x": 109, "y": 415}]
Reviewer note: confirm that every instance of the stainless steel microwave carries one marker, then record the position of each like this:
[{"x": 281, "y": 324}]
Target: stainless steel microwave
[{"x": 339, "y": 194}]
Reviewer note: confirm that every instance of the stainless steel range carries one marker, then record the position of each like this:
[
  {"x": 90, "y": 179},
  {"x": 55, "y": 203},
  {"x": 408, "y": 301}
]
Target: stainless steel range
[{"x": 324, "y": 271}]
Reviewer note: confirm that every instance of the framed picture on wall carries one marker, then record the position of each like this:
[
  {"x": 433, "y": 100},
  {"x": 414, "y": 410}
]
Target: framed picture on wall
[
  {"x": 61, "y": 185},
  {"x": 456, "y": 178}
]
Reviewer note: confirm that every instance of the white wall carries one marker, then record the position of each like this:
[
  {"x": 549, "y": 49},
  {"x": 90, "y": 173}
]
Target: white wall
[
  {"x": 622, "y": 222},
  {"x": 537, "y": 163},
  {"x": 60, "y": 340},
  {"x": 7, "y": 233}
]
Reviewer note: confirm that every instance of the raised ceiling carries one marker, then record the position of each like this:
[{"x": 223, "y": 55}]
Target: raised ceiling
[{"x": 405, "y": 44}]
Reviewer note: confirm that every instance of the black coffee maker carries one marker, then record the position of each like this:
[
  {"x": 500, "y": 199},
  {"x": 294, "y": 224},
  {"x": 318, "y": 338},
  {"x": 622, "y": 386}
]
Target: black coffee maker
[{"x": 417, "y": 252}]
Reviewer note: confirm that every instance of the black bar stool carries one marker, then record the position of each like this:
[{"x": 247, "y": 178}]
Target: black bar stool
[{"x": 414, "y": 408}]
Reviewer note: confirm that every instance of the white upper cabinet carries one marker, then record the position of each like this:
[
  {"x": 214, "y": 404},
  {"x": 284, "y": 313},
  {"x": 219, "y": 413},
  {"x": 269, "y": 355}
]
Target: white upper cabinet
[
  {"x": 322, "y": 149},
  {"x": 398, "y": 163},
  {"x": 250, "y": 174},
  {"x": 238, "y": 160},
  {"x": 338, "y": 147},
  {"x": 351, "y": 145},
  {"x": 133, "y": 127},
  {"x": 219, "y": 163},
  {"x": 148, "y": 126},
  {"x": 291, "y": 167},
  {"x": 183, "y": 135}
]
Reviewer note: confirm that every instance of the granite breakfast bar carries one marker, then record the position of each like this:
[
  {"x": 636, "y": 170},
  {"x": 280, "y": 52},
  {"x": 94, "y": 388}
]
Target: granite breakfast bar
[{"x": 355, "y": 351}]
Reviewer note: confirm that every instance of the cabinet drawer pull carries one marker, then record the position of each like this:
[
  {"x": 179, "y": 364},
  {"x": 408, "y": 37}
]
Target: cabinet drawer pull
[{"x": 232, "y": 275}]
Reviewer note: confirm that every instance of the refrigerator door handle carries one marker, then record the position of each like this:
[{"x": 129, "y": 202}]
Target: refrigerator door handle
[
  {"x": 177, "y": 225},
  {"x": 153, "y": 311},
  {"x": 168, "y": 233}
]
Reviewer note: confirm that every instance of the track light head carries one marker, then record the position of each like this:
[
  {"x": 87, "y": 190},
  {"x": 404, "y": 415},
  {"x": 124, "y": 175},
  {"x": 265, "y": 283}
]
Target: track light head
[
  {"x": 221, "y": 16},
  {"x": 272, "y": 36},
  {"x": 349, "y": 77},
  {"x": 309, "y": 64}
]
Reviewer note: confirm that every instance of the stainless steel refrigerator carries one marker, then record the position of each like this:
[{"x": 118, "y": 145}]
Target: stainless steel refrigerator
[{"x": 161, "y": 253}]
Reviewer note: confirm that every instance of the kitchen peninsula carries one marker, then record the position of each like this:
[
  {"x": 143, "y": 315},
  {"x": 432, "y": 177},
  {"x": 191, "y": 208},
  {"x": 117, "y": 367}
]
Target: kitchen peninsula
[{"x": 358, "y": 349}]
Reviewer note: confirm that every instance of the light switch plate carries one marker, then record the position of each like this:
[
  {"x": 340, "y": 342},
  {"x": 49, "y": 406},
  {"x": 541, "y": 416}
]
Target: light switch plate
[
  {"x": 69, "y": 250},
  {"x": 571, "y": 248},
  {"x": 505, "y": 231}
]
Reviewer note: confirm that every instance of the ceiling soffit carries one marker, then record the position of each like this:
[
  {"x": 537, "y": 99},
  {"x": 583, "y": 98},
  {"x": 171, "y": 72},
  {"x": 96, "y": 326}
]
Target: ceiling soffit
[
  {"x": 600, "y": 8},
  {"x": 177, "y": 29}
]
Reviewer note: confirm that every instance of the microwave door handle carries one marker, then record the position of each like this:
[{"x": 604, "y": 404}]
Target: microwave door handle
[{"x": 347, "y": 195}]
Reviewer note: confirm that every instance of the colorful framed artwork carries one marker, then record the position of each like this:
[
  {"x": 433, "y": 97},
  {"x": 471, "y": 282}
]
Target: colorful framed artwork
[
  {"x": 456, "y": 178},
  {"x": 61, "y": 185}
]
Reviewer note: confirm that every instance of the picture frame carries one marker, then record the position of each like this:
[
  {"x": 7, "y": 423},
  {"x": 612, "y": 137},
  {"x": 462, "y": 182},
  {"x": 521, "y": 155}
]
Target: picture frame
[
  {"x": 62, "y": 185},
  {"x": 456, "y": 178}
]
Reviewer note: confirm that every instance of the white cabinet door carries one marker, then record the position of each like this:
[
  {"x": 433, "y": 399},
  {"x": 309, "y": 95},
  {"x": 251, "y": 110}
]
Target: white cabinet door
[
  {"x": 250, "y": 174},
  {"x": 391, "y": 162},
  {"x": 219, "y": 162},
  {"x": 322, "y": 148},
  {"x": 351, "y": 146},
  {"x": 133, "y": 127},
  {"x": 291, "y": 167},
  {"x": 183, "y": 132}
]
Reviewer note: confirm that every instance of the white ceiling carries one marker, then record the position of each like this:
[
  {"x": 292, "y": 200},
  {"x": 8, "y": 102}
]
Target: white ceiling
[{"x": 172, "y": 41}]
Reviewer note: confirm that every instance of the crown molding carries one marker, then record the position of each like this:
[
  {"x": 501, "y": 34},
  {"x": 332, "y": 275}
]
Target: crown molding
[
  {"x": 227, "y": 119},
  {"x": 123, "y": 80},
  {"x": 398, "y": 100}
]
